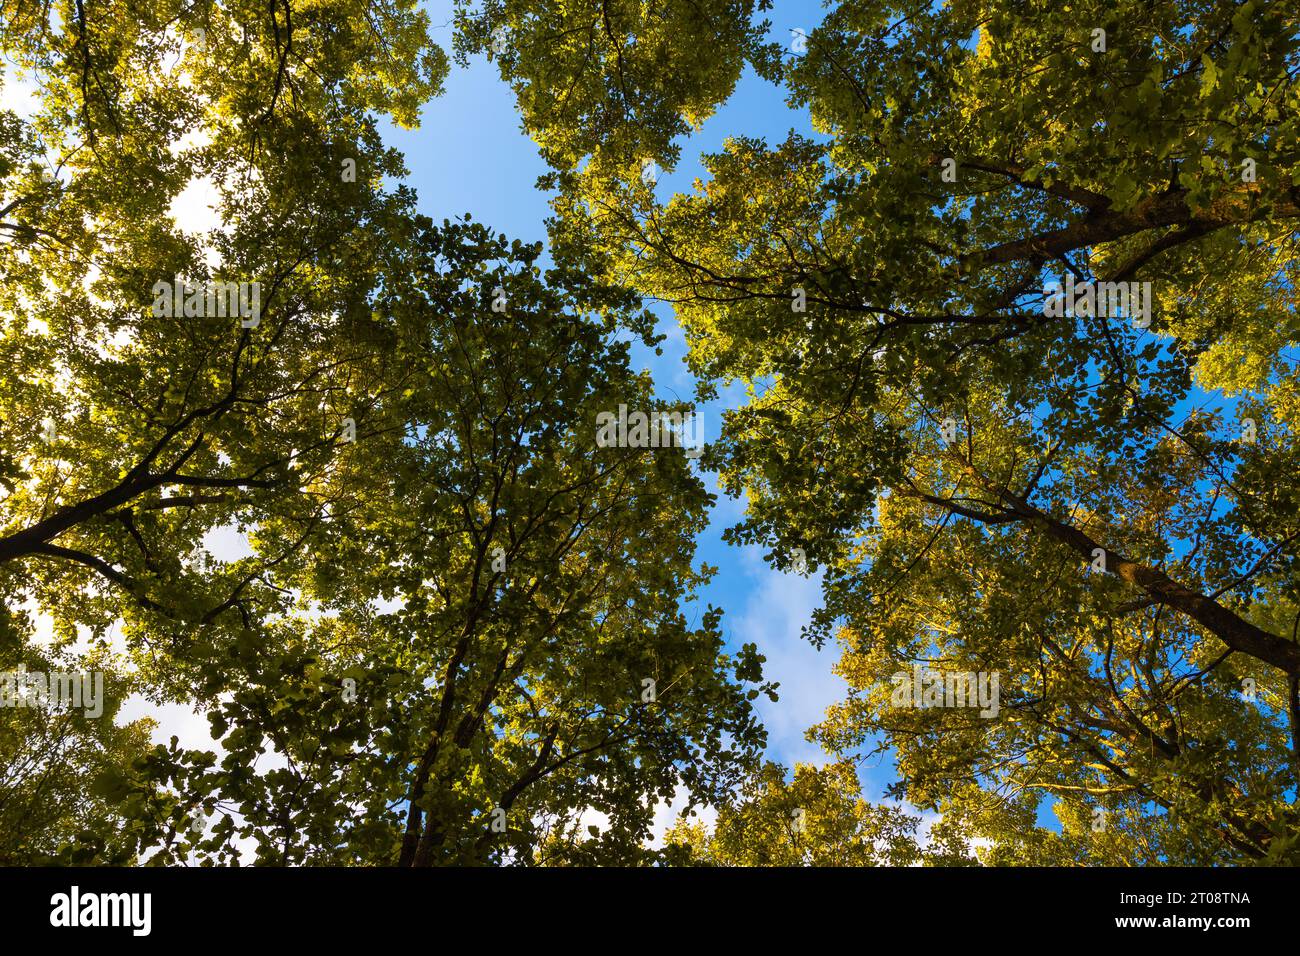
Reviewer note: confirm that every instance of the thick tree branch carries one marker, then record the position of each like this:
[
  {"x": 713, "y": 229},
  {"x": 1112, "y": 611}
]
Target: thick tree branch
[{"x": 1233, "y": 630}]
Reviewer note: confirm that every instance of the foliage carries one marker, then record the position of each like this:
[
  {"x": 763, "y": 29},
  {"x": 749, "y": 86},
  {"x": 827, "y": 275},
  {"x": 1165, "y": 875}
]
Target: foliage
[
  {"x": 437, "y": 647},
  {"x": 957, "y": 455},
  {"x": 376, "y": 433}
]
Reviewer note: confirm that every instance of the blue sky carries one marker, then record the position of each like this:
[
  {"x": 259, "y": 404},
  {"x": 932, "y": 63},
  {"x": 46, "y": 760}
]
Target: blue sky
[{"x": 470, "y": 155}]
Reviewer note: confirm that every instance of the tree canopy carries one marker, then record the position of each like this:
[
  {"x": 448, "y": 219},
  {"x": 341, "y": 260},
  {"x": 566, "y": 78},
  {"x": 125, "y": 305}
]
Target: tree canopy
[
  {"x": 1015, "y": 327},
  {"x": 455, "y": 602},
  {"x": 1097, "y": 504}
]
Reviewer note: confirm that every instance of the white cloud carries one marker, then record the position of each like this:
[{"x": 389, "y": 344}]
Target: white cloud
[
  {"x": 667, "y": 812},
  {"x": 180, "y": 720},
  {"x": 929, "y": 820},
  {"x": 591, "y": 817},
  {"x": 228, "y": 543},
  {"x": 196, "y": 138},
  {"x": 195, "y": 209},
  {"x": 388, "y": 605},
  {"x": 779, "y": 606},
  {"x": 19, "y": 92}
]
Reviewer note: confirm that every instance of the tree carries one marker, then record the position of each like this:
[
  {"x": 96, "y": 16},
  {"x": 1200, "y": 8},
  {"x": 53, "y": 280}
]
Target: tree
[
  {"x": 50, "y": 809},
  {"x": 1096, "y": 503},
  {"x": 130, "y": 431},
  {"x": 613, "y": 82},
  {"x": 115, "y": 392},
  {"x": 489, "y": 641},
  {"x": 817, "y": 818},
  {"x": 462, "y": 616}
]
